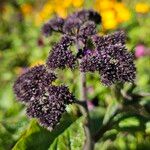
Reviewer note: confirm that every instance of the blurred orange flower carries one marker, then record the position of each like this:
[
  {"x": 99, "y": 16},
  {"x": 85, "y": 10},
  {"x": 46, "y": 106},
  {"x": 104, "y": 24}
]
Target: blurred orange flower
[{"x": 26, "y": 9}]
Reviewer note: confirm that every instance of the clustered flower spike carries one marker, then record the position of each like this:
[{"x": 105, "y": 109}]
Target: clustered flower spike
[
  {"x": 62, "y": 94},
  {"x": 117, "y": 65},
  {"x": 33, "y": 83},
  {"x": 104, "y": 54},
  {"x": 55, "y": 24},
  {"x": 44, "y": 101},
  {"x": 50, "y": 107},
  {"x": 72, "y": 26},
  {"x": 101, "y": 42},
  {"x": 76, "y": 29},
  {"x": 87, "y": 15},
  {"x": 87, "y": 29},
  {"x": 91, "y": 61},
  {"x": 61, "y": 56},
  {"x": 72, "y": 23},
  {"x": 110, "y": 58}
]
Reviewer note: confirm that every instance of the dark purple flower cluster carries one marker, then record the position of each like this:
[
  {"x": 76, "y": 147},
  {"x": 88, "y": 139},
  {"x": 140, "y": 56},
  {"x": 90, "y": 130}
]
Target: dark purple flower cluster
[
  {"x": 87, "y": 29},
  {"x": 90, "y": 62},
  {"x": 72, "y": 23},
  {"x": 117, "y": 65},
  {"x": 43, "y": 100},
  {"x": 33, "y": 83},
  {"x": 101, "y": 42},
  {"x": 77, "y": 28},
  {"x": 50, "y": 107},
  {"x": 82, "y": 21},
  {"x": 55, "y": 24},
  {"x": 72, "y": 26},
  {"x": 61, "y": 93},
  {"x": 87, "y": 15},
  {"x": 111, "y": 59},
  {"x": 105, "y": 54},
  {"x": 61, "y": 56},
  {"x": 96, "y": 52}
]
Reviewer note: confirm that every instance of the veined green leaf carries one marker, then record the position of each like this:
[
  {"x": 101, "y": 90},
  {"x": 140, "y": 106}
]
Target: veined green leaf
[
  {"x": 72, "y": 138},
  {"x": 38, "y": 138}
]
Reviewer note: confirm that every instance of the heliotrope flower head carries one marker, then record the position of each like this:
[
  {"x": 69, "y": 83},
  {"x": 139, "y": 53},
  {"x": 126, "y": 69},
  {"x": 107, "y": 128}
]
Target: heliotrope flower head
[
  {"x": 72, "y": 25},
  {"x": 66, "y": 41},
  {"x": 110, "y": 58},
  {"x": 88, "y": 15},
  {"x": 101, "y": 42},
  {"x": 90, "y": 62},
  {"x": 55, "y": 24},
  {"x": 61, "y": 93},
  {"x": 76, "y": 20},
  {"x": 61, "y": 56},
  {"x": 49, "y": 108},
  {"x": 46, "y": 29},
  {"x": 104, "y": 54},
  {"x": 116, "y": 65},
  {"x": 33, "y": 83},
  {"x": 87, "y": 29}
]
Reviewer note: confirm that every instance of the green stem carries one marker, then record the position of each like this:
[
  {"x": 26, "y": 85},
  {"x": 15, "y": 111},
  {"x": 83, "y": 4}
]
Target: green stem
[
  {"x": 116, "y": 92},
  {"x": 88, "y": 143}
]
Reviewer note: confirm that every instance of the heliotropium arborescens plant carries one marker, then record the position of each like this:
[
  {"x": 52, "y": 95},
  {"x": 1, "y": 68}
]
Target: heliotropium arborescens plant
[{"x": 106, "y": 55}]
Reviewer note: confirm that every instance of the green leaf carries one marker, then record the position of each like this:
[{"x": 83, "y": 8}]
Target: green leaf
[
  {"x": 38, "y": 138},
  {"x": 96, "y": 118},
  {"x": 132, "y": 121},
  {"x": 71, "y": 139},
  {"x": 110, "y": 112}
]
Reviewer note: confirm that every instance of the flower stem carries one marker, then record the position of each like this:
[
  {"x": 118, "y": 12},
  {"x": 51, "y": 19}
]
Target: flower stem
[{"x": 88, "y": 143}]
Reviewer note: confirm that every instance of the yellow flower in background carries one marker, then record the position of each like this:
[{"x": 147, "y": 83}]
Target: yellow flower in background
[
  {"x": 57, "y": 7},
  {"x": 142, "y": 7},
  {"x": 109, "y": 19},
  {"x": 113, "y": 13},
  {"x": 122, "y": 13},
  {"x": 26, "y": 9},
  {"x": 48, "y": 8},
  {"x": 39, "y": 62},
  {"x": 44, "y": 14},
  {"x": 104, "y": 4},
  {"x": 77, "y": 3},
  {"x": 66, "y": 3},
  {"x": 60, "y": 11}
]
